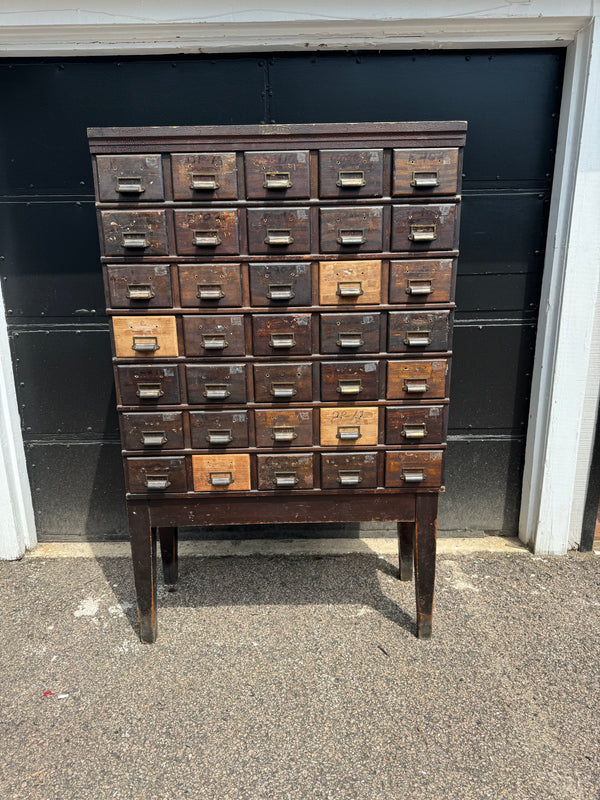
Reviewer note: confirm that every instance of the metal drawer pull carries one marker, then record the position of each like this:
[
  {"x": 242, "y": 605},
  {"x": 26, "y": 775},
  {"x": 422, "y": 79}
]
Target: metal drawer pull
[
  {"x": 214, "y": 341},
  {"x": 425, "y": 180},
  {"x": 131, "y": 240},
  {"x": 203, "y": 183},
  {"x": 153, "y": 438},
  {"x": 351, "y": 237},
  {"x": 280, "y": 291},
  {"x": 350, "y": 179},
  {"x": 413, "y": 475},
  {"x": 216, "y": 391},
  {"x": 349, "y": 477},
  {"x": 282, "y": 340},
  {"x": 281, "y": 433},
  {"x": 206, "y": 238},
  {"x": 277, "y": 180},
  {"x": 220, "y": 478},
  {"x": 283, "y": 389},
  {"x": 219, "y": 436},
  {"x": 129, "y": 185},
  {"x": 349, "y": 387},
  {"x": 422, "y": 233},
  {"x": 417, "y": 430},
  {"x": 140, "y": 291},
  {"x": 149, "y": 391},
  {"x": 349, "y": 340},
  {"x": 156, "y": 482},
  {"x": 348, "y": 433},
  {"x": 210, "y": 291},
  {"x": 417, "y": 286},
  {"x": 145, "y": 344},
  {"x": 279, "y": 236},
  {"x": 415, "y": 385},
  {"x": 417, "y": 338},
  {"x": 285, "y": 479},
  {"x": 349, "y": 289}
]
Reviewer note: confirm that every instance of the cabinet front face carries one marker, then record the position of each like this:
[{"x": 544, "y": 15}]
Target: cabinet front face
[
  {"x": 204, "y": 176},
  {"x": 219, "y": 429},
  {"x": 209, "y": 285},
  {"x": 349, "y": 426},
  {"x": 420, "y": 172},
  {"x": 278, "y": 285},
  {"x": 349, "y": 283},
  {"x": 285, "y": 472},
  {"x": 352, "y": 230},
  {"x": 221, "y": 473},
  {"x": 215, "y": 384},
  {"x": 145, "y": 337},
  {"x": 207, "y": 233},
  {"x": 278, "y": 231},
  {"x": 152, "y": 431},
  {"x": 281, "y": 428},
  {"x": 348, "y": 174},
  {"x": 139, "y": 286},
  {"x": 134, "y": 233},
  {"x": 130, "y": 179},
  {"x": 277, "y": 174},
  {"x": 280, "y": 383}
]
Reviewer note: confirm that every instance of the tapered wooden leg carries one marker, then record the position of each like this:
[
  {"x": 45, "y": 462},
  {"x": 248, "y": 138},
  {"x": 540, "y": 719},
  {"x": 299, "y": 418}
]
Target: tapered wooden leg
[
  {"x": 143, "y": 553},
  {"x": 168, "y": 551},
  {"x": 425, "y": 546},
  {"x": 406, "y": 532}
]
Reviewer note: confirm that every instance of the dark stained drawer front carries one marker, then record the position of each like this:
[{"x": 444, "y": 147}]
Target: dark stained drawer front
[
  {"x": 221, "y": 473},
  {"x": 350, "y": 333},
  {"x": 214, "y": 335},
  {"x": 425, "y": 171},
  {"x": 156, "y": 475},
  {"x": 426, "y": 227},
  {"x": 140, "y": 286},
  {"x": 349, "y": 283},
  {"x": 210, "y": 285},
  {"x": 280, "y": 284},
  {"x": 418, "y": 331},
  {"x": 206, "y": 233},
  {"x": 291, "y": 383},
  {"x": 412, "y": 425},
  {"x": 281, "y": 334},
  {"x": 352, "y": 230},
  {"x": 130, "y": 179},
  {"x": 219, "y": 429},
  {"x": 277, "y": 174},
  {"x": 150, "y": 385},
  {"x": 204, "y": 176},
  {"x": 285, "y": 471},
  {"x": 134, "y": 233},
  {"x": 348, "y": 470},
  {"x": 152, "y": 431},
  {"x": 346, "y": 381},
  {"x": 216, "y": 383},
  {"x": 277, "y": 428},
  {"x": 149, "y": 336},
  {"x": 349, "y": 426},
  {"x": 421, "y": 281},
  {"x": 413, "y": 469},
  {"x": 277, "y": 231},
  {"x": 351, "y": 173},
  {"x": 417, "y": 379}
]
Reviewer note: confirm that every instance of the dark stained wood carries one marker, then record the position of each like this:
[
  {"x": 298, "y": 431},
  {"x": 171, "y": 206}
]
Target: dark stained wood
[
  {"x": 206, "y": 233},
  {"x": 134, "y": 233},
  {"x": 425, "y": 171},
  {"x": 417, "y": 379},
  {"x": 415, "y": 425},
  {"x": 219, "y": 429},
  {"x": 413, "y": 468},
  {"x": 216, "y": 383},
  {"x": 143, "y": 554},
  {"x": 278, "y": 285},
  {"x": 348, "y": 334},
  {"x": 160, "y": 475},
  {"x": 350, "y": 230},
  {"x": 281, "y": 334},
  {"x": 214, "y": 336},
  {"x": 148, "y": 385},
  {"x": 349, "y": 381},
  {"x": 204, "y": 176},
  {"x": 425, "y": 550},
  {"x": 168, "y": 551},
  {"x": 348, "y": 470},
  {"x": 347, "y": 174},
  {"x": 130, "y": 178},
  {"x": 418, "y": 281},
  {"x": 278, "y": 231},
  {"x": 425, "y": 227},
  {"x": 277, "y": 174},
  {"x": 210, "y": 285},
  {"x": 278, "y": 429},
  {"x": 281, "y": 383},
  {"x": 406, "y": 535},
  {"x": 418, "y": 331},
  {"x": 152, "y": 431},
  {"x": 285, "y": 472},
  {"x": 139, "y": 286}
]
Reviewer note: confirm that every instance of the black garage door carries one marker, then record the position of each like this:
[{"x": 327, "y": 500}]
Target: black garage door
[{"x": 49, "y": 258}]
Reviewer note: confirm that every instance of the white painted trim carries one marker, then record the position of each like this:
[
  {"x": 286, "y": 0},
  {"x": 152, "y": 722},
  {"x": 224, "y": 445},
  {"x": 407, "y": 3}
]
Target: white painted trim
[{"x": 17, "y": 526}]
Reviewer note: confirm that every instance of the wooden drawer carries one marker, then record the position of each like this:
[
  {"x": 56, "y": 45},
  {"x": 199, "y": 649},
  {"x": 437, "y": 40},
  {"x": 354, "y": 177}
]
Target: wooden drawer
[
  {"x": 426, "y": 227},
  {"x": 210, "y": 285},
  {"x": 284, "y": 427},
  {"x": 352, "y": 230},
  {"x": 204, "y": 176},
  {"x": 349, "y": 426},
  {"x": 348, "y": 470},
  {"x": 291, "y": 383},
  {"x": 145, "y": 337},
  {"x": 417, "y": 379},
  {"x": 281, "y": 334},
  {"x": 221, "y": 473},
  {"x": 134, "y": 233},
  {"x": 277, "y": 174},
  {"x": 207, "y": 233},
  {"x": 349, "y": 282},
  {"x": 152, "y": 431},
  {"x": 418, "y": 331},
  {"x": 412, "y": 469},
  {"x": 343, "y": 381},
  {"x": 421, "y": 172},
  {"x": 280, "y": 284},
  {"x": 421, "y": 281},
  {"x": 277, "y": 231},
  {"x": 216, "y": 383},
  {"x": 350, "y": 333},
  {"x": 351, "y": 173},
  {"x": 139, "y": 286},
  {"x": 411, "y": 425},
  {"x": 155, "y": 384},
  {"x": 156, "y": 475},
  {"x": 219, "y": 429},
  {"x": 130, "y": 179},
  {"x": 285, "y": 471},
  {"x": 214, "y": 335}
]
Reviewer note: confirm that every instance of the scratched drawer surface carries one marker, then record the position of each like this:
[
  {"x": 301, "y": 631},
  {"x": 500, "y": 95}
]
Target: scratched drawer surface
[
  {"x": 213, "y": 335},
  {"x": 421, "y": 281},
  {"x": 424, "y": 227},
  {"x": 210, "y": 285},
  {"x": 350, "y": 333},
  {"x": 412, "y": 425},
  {"x": 134, "y": 233},
  {"x": 145, "y": 337},
  {"x": 348, "y": 470},
  {"x": 204, "y": 176},
  {"x": 277, "y": 174},
  {"x": 283, "y": 382},
  {"x": 280, "y": 428},
  {"x": 148, "y": 385},
  {"x": 418, "y": 331},
  {"x": 281, "y": 334},
  {"x": 139, "y": 286},
  {"x": 420, "y": 172},
  {"x": 282, "y": 472},
  {"x": 413, "y": 469},
  {"x": 218, "y": 429},
  {"x": 278, "y": 285},
  {"x": 349, "y": 426},
  {"x": 278, "y": 231},
  {"x": 216, "y": 383},
  {"x": 130, "y": 178},
  {"x": 152, "y": 430},
  {"x": 349, "y": 283},
  {"x": 207, "y": 232},
  {"x": 417, "y": 379},
  {"x": 228, "y": 472},
  {"x": 343, "y": 381},
  {"x": 351, "y": 230},
  {"x": 351, "y": 173},
  {"x": 156, "y": 475}
]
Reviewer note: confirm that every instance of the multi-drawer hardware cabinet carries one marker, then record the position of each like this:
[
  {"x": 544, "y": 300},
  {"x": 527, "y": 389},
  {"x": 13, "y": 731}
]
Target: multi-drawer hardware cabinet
[{"x": 281, "y": 301}]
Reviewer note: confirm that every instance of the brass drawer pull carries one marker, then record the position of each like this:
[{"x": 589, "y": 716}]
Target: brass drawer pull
[
  {"x": 140, "y": 291},
  {"x": 416, "y": 286},
  {"x": 214, "y": 341},
  {"x": 285, "y": 479},
  {"x": 422, "y": 233},
  {"x": 349, "y": 387},
  {"x": 277, "y": 180},
  {"x": 282, "y": 341},
  {"x": 413, "y": 475},
  {"x": 157, "y": 482},
  {"x": 414, "y": 430},
  {"x": 349, "y": 340},
  {"x": 348, "y": 433},
  {"x": 210, "y": 291},
  {"x": 149, "y": 391},
  {"x": 280, "y": 291},
  {"x": 145, "y": 344},
  {"x": 417, "y": 338},
  {"x": 350, "y": 179},
  {"x": 129, "y": 185},
  {"x": 206, "y": 238},
  {"x": 425, "y": 180},
  {"x": 279, "y": 236},
  {"x": 219, "y": 436},
  {"x": 203, "y": 183},
  {"x": 220, "y": 478},
  {"x": 354, "y": 237},
  {"x": 153, "y": 438},
  {"x": 283, "y": 390},
  {"x": 134, "y": 240},
  {"x": 216, "y": 391},
  {"x": 349, "y": 289},
  {"x": 349, "y": 477},
  {"x": 281, "y": 433},
  {"x": 415, "y": 385}
]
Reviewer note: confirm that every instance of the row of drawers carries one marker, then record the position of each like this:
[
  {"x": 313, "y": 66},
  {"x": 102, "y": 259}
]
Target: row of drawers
[
  {"x": 228, "y": 472},
  {"x": 280, "y": 231},
  {"x": 277, "y": 174}
]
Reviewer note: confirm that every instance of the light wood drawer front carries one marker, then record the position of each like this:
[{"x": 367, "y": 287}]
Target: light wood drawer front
[
  {"x": 152, "y": 431},
  {"x": 421, "y": 281},
  {"x": 349, "y": 426},
  {"x": 424, "y": 227},
  {"x": 156, "y": 475},
  {"x": 349, "y": 283},
  {"x": 210, "y": 285},
  {"x": 277, "y": 174},
  {"x": 421, "y": 172},
  {"x": 145, "y": 337},
  {"x": 214, "y": 335},
  {"x": 278, "y": 231},
  {"x": 281, "y": 334},
  {"x": 352, "y": 230},
  {"x": 137, "y": 178},
  {"x": 413, "y": 469},
  {"x": 278, "y": 285},
  {"x": 140, "y": 286},
  {"x": 351, "y": 173},
  {"x": 221, "y": 473},
  {"x": 148, "y": 385},
  {"x": 134, "y": 233},
  {"x": 418, "y": 331},
  {"x": 204, "y": 176},
  {"x": 348, "y": 381},
  {"x": 417, "y": 379},
  {"x": 208, "y": 232},
  {"x": 283, "y": 383},
  {"x": 412, "y": 425},
  {"x": 348, "y": 470},
  {"x": 277, "y": 428},
  {"x": 219, "y": 429},
  {"x": 216, "y": 383},
  {"x": 285, "y": 472},
  {"x": 348, "y": 334}
]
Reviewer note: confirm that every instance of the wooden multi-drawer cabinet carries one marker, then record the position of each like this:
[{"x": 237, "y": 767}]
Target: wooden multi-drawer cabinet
[{"x": 281, "y": 303}]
